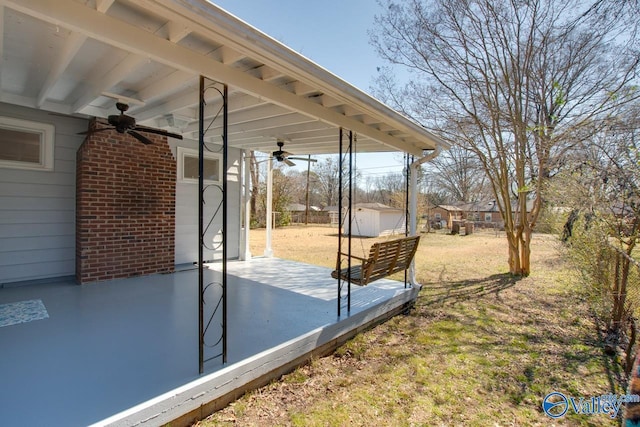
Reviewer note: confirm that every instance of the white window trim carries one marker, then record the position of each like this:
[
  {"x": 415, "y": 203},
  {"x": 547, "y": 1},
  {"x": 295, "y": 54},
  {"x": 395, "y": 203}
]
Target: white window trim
[
  {"x": 47, "y": 133},
  {"x": 182, "y": 152},
  {"x": 488, "y": 217}
]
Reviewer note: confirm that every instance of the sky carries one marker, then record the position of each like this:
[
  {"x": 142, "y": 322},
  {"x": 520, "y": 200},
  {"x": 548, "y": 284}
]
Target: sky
[{"x": 334, "y": 35}]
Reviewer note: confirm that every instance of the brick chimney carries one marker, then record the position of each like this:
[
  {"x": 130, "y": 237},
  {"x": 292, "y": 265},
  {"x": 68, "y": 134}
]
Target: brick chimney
[{"x": 125, "y": 206}]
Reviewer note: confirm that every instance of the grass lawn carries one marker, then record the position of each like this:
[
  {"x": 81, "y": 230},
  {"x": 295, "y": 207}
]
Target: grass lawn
[{"x": 478, "y": 349}]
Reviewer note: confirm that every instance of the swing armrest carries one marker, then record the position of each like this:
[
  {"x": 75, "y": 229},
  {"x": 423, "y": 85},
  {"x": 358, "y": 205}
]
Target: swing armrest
[{"x": 354, "y": 256}]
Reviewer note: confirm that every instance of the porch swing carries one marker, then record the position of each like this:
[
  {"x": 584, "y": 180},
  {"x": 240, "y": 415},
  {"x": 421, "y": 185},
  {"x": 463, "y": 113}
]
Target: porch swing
[{"x": 385, "y": 258}]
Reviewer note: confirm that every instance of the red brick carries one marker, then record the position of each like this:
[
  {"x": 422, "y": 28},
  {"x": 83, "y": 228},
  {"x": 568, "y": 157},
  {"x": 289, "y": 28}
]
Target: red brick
[{"x": 125, "y": 207}]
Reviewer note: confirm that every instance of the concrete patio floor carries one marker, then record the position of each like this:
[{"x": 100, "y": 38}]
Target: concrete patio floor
[{"x": 125, "y": 352}]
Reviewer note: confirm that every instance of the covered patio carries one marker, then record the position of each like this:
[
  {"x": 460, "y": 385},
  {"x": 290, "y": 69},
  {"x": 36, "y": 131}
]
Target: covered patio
[
  {"x": 114, "y": 203},
  {"x": 123, "y": 352}
]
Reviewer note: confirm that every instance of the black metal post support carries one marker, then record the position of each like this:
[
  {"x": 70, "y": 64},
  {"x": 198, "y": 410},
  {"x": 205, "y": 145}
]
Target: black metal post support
[
  {"x": 407, "y": 177},
  {"x": 339, "y": 215},
  {"x": 350, "y": 218},
  {"x": 225, "y": 168},
  {"x": 201, "y": 228}
]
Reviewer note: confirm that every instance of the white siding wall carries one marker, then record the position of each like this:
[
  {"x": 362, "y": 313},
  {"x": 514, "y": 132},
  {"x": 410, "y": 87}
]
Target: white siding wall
[
  {"x": 365, "y": 223},
  {"x": 374, "y": 223},
  {"x": 391, "y": 223},
  {"x": 187, "y": 212},
  {"x": 37, "y": 208}
]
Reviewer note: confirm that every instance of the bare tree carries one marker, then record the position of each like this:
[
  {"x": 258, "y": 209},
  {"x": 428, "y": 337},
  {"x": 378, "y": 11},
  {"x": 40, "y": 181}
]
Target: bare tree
[
  {"x": 601, "y": 184},
  {"x": 518, "y": 83},
  {"x": 326, "y": 180},
  {"x": 458, "y": 174},
  {"x": 389, "y": 189}
]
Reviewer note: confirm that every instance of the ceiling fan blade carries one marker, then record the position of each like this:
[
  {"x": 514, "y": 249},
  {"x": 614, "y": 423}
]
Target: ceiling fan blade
[
  {"x": 89, "y": 132},
  {"x": 304, "y": 159},
  {"x": 140, "y": 138},
  {"x": 289, "y": 162},
  {"x": 158, "y": 132}
]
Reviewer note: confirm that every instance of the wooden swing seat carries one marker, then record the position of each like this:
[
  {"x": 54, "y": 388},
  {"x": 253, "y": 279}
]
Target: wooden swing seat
[{"x": 385, "y": 258}]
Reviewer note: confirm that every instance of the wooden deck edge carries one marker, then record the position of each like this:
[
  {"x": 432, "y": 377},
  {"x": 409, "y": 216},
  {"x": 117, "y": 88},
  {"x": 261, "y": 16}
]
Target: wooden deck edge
[{"x": 200, "y": 398}]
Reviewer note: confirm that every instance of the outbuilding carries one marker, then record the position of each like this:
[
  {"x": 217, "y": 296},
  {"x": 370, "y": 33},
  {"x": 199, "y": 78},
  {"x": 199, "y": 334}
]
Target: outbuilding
[{"x": 376, "y": 219}]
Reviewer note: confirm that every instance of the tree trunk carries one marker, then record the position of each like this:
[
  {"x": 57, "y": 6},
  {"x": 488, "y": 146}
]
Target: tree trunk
[
  {"x": 520, "y": 251},
  {"x": 514, "y": 252},
  {"x": 621, "y": 278},
  {"x": 525, "y": 252}
]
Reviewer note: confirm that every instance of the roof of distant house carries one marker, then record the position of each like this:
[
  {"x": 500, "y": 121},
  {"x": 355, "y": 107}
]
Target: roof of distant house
[
  {"x": 376, "y": 207},
  {"x": 450, "y": 208}
]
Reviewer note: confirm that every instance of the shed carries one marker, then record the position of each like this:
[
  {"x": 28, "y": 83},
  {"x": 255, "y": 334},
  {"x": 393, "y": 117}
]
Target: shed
[{"x": 376, "y": 219}]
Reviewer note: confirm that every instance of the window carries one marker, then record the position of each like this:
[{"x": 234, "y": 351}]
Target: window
[
  {"x": 188, "y": 166},
  {"x": 438, "y": 216},
  {"x": 487, "y": 217},
  {"x": 25, "y": 144}
]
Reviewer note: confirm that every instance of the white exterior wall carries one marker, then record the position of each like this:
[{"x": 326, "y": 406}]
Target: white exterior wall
[
  {"x": 391, "y": 223},
  {"x": 37, "y": 208},
  {"x": 187, "y": 212},
  {"x": 374, "y": 223},
  {"x": 365, "y": 223}
]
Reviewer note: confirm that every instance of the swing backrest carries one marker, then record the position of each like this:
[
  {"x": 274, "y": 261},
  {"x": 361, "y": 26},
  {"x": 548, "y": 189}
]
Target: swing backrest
[
  {"x": 385, "y": 258},
  {"x": 389, "y": 257}
]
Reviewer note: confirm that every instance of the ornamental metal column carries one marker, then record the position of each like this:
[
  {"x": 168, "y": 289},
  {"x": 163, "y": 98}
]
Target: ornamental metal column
[
  {"x": 345, "y": 218},
  {"x": 407, "y": 175},
  {"x": 212, "y": 230}
]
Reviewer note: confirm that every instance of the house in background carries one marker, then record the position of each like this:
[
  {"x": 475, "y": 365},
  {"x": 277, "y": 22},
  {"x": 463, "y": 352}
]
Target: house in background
[
  {"x": 298, "y": 213},
  {"x": 484, "y": 214},
  {"x": 334, "y": 216},
  {"x": 375, "y": 219},
  {"x": 443, "y": 215}
]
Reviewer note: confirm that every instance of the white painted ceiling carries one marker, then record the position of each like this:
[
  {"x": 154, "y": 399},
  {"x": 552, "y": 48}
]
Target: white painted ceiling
[{"x": 78, "y": 57}]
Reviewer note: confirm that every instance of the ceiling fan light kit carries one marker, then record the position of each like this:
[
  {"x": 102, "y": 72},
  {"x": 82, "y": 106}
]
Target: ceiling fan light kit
[
  {"x": 283, "y": 156},
  {"x": 123, "y": 123}
]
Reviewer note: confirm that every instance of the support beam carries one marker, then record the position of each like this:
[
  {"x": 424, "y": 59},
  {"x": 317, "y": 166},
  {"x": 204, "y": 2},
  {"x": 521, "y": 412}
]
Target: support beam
[
  {"x": 176, "y": 32},
  {"x": 72, "y": 46},
  {"x": 104, "y": 83},
  {"x": 103, "y": 5},
  {"x": 107, "y": 29},
  {"x": 413, "y": 208},
  {"x": 176, "y": 103},
  {"x": 245, "y": 252},
  {"x": 268, "y": 251},
  {"x": 159, "y": 88}
]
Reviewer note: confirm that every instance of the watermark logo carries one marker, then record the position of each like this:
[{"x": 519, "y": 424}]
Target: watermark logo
[{"x": 556, "y": 404}]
